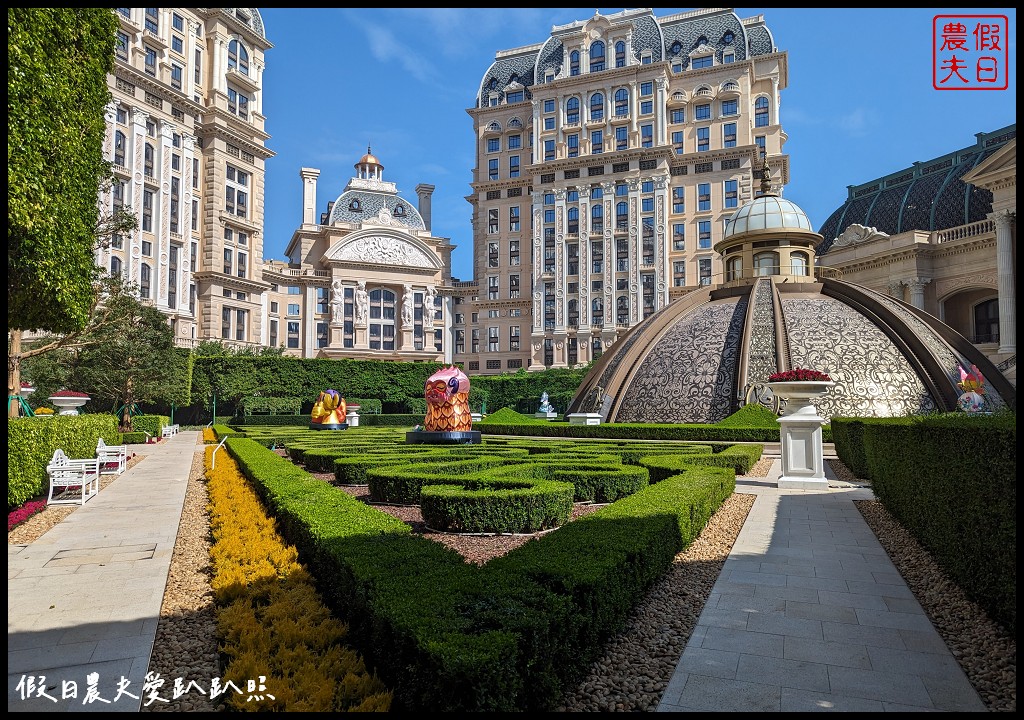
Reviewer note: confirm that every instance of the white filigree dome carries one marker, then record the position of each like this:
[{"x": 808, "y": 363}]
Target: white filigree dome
[{"x": 768, "y": 212}]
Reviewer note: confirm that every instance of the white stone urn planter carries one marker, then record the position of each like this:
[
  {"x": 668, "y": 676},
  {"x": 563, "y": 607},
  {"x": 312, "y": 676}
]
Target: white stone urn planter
[
  {"x": 68, "y": 404},
  {"x": 26, "y": 390},
  {"x": 803, "y": 462}
]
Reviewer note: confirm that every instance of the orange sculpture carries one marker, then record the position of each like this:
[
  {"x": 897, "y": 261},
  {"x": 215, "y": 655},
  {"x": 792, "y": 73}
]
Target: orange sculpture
[
  {"x": 329, "y": 409},
  {"x": 447, "y": 395}
]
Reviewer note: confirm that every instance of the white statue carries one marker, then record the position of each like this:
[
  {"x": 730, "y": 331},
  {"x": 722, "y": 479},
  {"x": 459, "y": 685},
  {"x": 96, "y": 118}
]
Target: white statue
[
  {"x": 545, "y": 406},
  {"x": 429, "y": 306},
  {"x": 407, "y": 307},
  {"x": 337, "y": 302},
  {"x": 362, "y": 303}
]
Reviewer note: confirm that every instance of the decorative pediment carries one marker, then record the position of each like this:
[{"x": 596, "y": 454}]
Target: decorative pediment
[
  {"x": 702, "y": 50},
  {"x": 381, "y": 249},
  {"x": 856, "y": 234}
]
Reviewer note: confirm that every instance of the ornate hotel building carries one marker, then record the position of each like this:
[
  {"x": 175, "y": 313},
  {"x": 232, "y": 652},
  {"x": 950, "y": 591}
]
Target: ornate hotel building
[
  {"x": 609, "y": 156},
  {"x": 185, "y": 133},
  {"x": 364, "y": 277}
]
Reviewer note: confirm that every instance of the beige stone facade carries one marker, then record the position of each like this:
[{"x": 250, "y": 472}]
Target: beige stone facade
[
  {"x": 185, "y": 134},
  {"x": 365, "y": 278},
  {"x": 963, "y": 273},
  {"x": 609, "y": 157}
]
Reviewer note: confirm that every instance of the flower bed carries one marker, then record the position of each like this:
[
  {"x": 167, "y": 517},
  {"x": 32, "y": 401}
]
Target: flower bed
[
  {"x": 799, "y": 375},
  {"x": 18, "y": 516}
]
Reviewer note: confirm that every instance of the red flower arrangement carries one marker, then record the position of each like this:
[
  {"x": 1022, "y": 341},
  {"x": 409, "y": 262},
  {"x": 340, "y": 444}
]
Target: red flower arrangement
[
  {"x": 17, "y": 517},
  {"x": 69, "y": 393},
  {"x": 799, "y": 375}
]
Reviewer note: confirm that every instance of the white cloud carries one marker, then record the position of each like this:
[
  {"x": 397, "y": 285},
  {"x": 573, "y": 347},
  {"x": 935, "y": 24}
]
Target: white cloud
[{"x": 856, "y": 122}]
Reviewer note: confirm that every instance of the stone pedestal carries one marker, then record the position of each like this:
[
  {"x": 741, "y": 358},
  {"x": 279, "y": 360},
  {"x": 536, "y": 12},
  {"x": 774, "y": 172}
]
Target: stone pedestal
[
  {"x": 352, "y": 418},
  {"x": 545, "y": 415},
  {"x": 803, "y": 462},
  {"x": 584, "y": 418}
]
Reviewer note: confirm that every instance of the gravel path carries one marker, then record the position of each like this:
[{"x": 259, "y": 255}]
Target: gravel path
[{"x": 637, "y": 663}]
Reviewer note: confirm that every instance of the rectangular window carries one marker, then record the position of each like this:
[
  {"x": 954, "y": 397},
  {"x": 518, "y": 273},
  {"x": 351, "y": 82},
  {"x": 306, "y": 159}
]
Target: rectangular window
[
  {"x": 647, "y": 204},
  {"x": 728, "y": 57},
  {"x": 597, "y": 142},
  {"x": 703, "y": 139},
  {"x": 322, "y": 300},
  {"x": 729, "y": 135},
  {"x": 515, "y": 142},
  {"x": 704, "y": 271},
  {"x": 513, "y": 218},
  {"x": 492, "y": 254},
  {"x": 147, "y": 248},
  {"x": 549, "y": 149},
  {"x": 492, "y": 169},
  {"x": 492, "y": 220},
  {"x": 293, "y": 309},
  {"x": 573, "y": 144},
  {"x": 147, "y": 210},
  {"x": 679, "y": 273},
  {"x": 678, "y": 199},
  {"x": 730, "y": 107},
  {"x": 646, "y": 107},
  {"x": 549, "y": 106},
  {"x": 176, "y": 74},
  {"x": 704, "y": 196},
  {"x": 677, "y": 116},
  {"x": 240, "y": 324},
  {"x": 678, "y": 236},
  {"x": 238, "y": 103},
  {"x": 150, "y": 61},
  {"x": 121, "y": 47},
  {"x": 227, "y": 261},
  {"x": 646, "y": 136},
  {"x": 513, "y": 252},
  {"x": 704, "y": 235},
  {"x": 513, "y": 287},
  {"x": 677, "y": 142},
  {"x": 322, "y": 336},
  {"x": 549, "y": 123},
  {"x": 760, "y": 142},
  {"x": 702, "y": 62},
  {"x": 225, "y": 322},
  {"x": 492, "y": 287},
  {"x": 493, "y": 145},
  {"x": 293, "y": 335},
  {"x": 646, "y": 88},
  {"x": 702, "y": 112},
  {"x": 513, "y": 166},
  {"x": 730, "y": 191},
  {"x": 273, "y": 333},
  {"x": 621, "y": 138}
]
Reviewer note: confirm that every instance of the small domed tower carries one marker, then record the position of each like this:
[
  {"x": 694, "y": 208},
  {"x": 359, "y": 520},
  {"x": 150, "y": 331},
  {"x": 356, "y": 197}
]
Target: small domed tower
[{"x": 768, "y": 237}]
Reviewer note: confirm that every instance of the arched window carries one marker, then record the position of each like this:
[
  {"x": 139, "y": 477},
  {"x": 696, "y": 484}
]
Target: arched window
[
  {"x": 596, "y": 348},
  {"x": 573, "y": 216},
  {"x": 148, "y": 160},
  {"x": 572, "y": 111},
  {"x": 986, "y": 321},
  {"x": 798, "y": 262},
  {"x": 574, "y": 62},
  {"x": 766, "y": 263},
  {"x": 761, "y": 112},
  {"x": 596, "y": 56},
  {"x": 597, "y": 218},
  {"x": 382, "y": 319},
  {"x": 621, "y": 216},
  {"x": 120, "y": 143},
  {"x": 621, "y": 102},
  {"x": 494, "y": 127},
  {"x": 597, "y": 311},
  {"x": 355, "y": 206},
  {"x": 115, "y": 266},
  {"x": 238, "y": 57},
  {"x": 597, "y": 106},
  {"x": 144, "y": 281},
  {"x": 620, "y": 54},
  {"x": 734, "y": 268}
]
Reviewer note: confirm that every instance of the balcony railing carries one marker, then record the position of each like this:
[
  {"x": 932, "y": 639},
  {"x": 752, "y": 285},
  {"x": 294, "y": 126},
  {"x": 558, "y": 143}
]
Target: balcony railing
[{"x": 961, "y": 232}]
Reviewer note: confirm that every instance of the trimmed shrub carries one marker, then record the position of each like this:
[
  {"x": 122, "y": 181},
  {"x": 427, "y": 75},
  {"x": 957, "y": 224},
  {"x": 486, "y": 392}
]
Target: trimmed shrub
[{"x": 31, "y": 442}]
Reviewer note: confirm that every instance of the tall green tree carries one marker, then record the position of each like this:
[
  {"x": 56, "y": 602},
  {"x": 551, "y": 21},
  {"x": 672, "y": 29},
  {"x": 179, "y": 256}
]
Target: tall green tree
[
  {"x": 58, "y": 61},
  {"x": 127, "y": 358}
]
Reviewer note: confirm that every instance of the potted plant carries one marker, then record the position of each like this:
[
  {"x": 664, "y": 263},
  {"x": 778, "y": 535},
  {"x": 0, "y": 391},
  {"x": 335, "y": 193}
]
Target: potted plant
[
  {"x": 798, "y": 387},
  {"x": 69, "y": 401},
  {"x": 803, "y": 463}
]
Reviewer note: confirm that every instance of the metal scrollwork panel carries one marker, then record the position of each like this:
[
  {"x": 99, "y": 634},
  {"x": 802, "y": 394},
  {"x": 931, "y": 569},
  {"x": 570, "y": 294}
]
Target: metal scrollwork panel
[
  {"x": 689, "y": 375},
  {"x": 872, "y": 376}
]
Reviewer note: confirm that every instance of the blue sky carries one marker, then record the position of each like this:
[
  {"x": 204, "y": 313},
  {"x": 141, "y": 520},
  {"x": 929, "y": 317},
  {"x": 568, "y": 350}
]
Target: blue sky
[{"x": 860, "y": 102}]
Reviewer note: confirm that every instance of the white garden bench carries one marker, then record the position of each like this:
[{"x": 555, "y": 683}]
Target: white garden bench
[
  {"x": 169, "y": 431},
  {"x": 113, "y": 458},
  {"x": 72, "y": 482}
]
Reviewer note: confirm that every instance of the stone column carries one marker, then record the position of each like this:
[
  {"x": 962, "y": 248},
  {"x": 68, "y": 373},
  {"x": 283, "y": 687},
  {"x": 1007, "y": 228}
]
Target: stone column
[
  {"x": 916, "y": 286},
  {"x": 896, "y": 289},
  {"x": 1004, "y": 220}
]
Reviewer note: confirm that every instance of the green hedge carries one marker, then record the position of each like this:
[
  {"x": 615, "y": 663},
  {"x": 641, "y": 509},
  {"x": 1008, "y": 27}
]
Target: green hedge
[
  {"x": 512, "y": 635},
  {"x": 133, "y": 438},
  {"x": 271, "y": 405},
  {"x": 31, "y": 442},
  {"x": 642, "y": 431},
  {"x": 152, "y": 424},
  {"x": 951, "y": 481}
]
